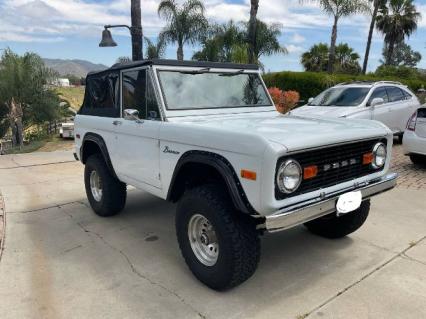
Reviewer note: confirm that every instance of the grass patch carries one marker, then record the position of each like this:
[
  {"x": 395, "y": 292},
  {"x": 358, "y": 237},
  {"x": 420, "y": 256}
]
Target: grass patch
[
  {"x": 74, "y": 95},
  {"x": 28, "y": 148}
]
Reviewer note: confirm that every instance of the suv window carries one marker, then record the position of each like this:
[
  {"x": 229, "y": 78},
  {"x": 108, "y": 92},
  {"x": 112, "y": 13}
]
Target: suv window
[
  {"x": 395, "y": 94},
  {"x": 379, "y": 93},
  {"x": 139, "y": 94},
  {"x": 407, "y": 95},
  {"x": 102, "y": 95}
]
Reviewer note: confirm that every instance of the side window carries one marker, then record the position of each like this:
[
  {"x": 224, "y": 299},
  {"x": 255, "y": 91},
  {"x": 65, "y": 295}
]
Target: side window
[
  {"x": 407, "y": 95},
  {"x": 379, "y": 93},
  {"x": 102, "y": 95},
  {"x": 395, "y": 94},
  {"x": 138, "y": 93}
]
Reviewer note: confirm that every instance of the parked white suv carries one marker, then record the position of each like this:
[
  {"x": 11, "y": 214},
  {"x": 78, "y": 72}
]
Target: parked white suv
[
  {"x": 391, "y": 103},
  {"x": 415, "y": 137},
  {"x": 207, "y": 136}
]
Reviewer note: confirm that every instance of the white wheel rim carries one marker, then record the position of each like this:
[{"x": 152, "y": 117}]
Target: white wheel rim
[
  {"x": 203, "y": 240},
  {"x": 96, "y": 185}
]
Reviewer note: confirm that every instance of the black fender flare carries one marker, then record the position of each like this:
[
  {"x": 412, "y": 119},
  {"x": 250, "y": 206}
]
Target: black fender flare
[
  {"x": 99, "y": 141},
  {"x": 226, "y": 171}
]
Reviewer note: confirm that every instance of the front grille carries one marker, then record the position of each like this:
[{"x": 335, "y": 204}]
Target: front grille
[{"x": 328, "y": 156}]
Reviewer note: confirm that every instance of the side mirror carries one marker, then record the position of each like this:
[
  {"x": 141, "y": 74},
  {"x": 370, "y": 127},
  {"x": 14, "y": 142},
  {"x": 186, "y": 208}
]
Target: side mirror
[
  {"x": 377, "y": 101},
  {"x": 131, "y": 114},
  {"x": 310, "y": 99}
]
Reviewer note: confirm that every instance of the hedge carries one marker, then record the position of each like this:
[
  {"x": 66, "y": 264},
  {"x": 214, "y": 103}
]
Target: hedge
[{"x": 310, "y": 84}]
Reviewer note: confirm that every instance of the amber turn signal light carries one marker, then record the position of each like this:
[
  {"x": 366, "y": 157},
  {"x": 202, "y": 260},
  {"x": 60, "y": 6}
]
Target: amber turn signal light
[
  {"x": 248, "y": 174},
  {"x": 310, "y": 172},
  {"x": 367, "y": 158}
]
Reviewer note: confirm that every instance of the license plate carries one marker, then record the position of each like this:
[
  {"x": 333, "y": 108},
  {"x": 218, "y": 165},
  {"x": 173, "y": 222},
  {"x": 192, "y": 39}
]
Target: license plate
[{"x": 348, "y": 202}]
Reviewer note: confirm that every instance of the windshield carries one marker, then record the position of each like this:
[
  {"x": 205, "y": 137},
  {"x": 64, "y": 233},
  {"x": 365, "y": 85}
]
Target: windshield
[
  {"x": 341, "y": 96},
  {"x": 185, "y": 90}
]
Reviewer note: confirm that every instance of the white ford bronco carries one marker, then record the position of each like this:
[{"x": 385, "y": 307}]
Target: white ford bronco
[{"x": 208, "y": 137}]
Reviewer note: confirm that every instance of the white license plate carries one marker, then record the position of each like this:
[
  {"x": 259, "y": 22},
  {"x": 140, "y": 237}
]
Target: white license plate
[{"x": 348, "y": 202}]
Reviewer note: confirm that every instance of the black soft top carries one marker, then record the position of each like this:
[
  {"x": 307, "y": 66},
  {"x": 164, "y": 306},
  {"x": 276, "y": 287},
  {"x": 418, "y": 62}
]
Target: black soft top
[{"x": 202, "y": 64}]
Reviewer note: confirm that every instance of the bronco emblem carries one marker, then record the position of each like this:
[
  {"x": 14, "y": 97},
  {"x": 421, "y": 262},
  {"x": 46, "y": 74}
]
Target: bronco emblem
[{"x": 168, "y": 150}]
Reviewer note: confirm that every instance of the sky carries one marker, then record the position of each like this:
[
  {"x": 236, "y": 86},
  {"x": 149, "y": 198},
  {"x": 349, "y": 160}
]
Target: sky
[{"x": 71, "y": 29}]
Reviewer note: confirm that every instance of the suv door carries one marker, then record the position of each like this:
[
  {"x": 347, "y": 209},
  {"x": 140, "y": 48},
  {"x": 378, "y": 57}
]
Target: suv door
[
  {"x": 391, "y": 113},
  {"x": 138, "y": 137},
  {"x": 378, "y": 110}
]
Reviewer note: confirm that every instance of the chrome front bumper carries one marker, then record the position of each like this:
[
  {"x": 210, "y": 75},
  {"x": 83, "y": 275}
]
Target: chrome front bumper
[{"x": 303, "y": 212}]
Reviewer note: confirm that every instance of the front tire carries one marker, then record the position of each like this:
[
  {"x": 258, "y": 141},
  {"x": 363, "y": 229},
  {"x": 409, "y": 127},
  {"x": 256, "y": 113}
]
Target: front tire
[
  {"x": 106, "y": 194},
  {"x": 332, "y": 227},
  {"x": 220, "y": 247}
]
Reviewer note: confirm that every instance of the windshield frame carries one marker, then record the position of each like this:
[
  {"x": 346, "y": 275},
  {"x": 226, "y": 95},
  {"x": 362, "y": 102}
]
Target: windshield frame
[
  {"x": 216, "y": 110},
  {"x": 363, "y": 101}
]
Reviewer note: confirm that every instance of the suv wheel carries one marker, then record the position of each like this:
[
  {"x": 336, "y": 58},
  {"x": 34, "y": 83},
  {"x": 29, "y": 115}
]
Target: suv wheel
[
  {"x": 221, "y": 248},
  {"x": 331, "y": 226},
  {"x": 106, "y": 194}
]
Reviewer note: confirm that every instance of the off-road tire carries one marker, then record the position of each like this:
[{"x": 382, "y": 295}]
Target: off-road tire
[
  {"x": 239, "y": 243},
  {"x": 331, "y": 226},
  {"x": 114, "y": 192},
  {"x": 418, "y": 159}
]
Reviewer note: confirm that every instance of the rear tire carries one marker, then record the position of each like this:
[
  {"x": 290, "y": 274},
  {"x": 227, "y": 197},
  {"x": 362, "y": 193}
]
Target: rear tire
[
  {"x": 418, "y": 159},
  {"x": 331, "y": 226},
  {"x": 106, "y": 194},
  {"x": 231, "y": 250}
]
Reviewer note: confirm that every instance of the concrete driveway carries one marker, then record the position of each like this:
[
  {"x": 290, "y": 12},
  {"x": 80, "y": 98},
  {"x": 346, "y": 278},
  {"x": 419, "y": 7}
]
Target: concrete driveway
[{"x": 62, "y": 261}]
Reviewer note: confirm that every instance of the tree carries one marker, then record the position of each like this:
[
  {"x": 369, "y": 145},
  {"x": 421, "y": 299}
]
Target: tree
[
  {"x": 136, "y": 30},
  {"x": 347, "y": 59},
  {"x": 339, "y": 9},
  {"x": 23, "y": 92},
  {"x": 402, "y": 55},
  {"x": 155, "y": 50},
  {"x": 221, "y": 43},
  {"x": 267, "y": 42},
  {"x": 252, "y": 31},
  {"x": 376, "y": 5},
  {"x": 316, "y": 59},
  {"x": 123, "y": 59},
  {"x": 185, "y": 24},
  {"x": 397, "y": 21}
]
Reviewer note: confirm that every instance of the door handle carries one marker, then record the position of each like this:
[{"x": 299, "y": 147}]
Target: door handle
[{"x": 116, "y": 123}]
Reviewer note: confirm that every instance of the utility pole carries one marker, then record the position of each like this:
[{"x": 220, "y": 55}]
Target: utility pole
[{"x": 136, "y": 30}]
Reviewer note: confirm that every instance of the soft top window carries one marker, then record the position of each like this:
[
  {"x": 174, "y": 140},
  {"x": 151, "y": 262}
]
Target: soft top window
[{"x": 102, "y": 95}]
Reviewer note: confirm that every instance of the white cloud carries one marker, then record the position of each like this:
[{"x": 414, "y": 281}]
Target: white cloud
[
  {"x": 297, "y": 38},
  {"x": 291, "y": 48}
]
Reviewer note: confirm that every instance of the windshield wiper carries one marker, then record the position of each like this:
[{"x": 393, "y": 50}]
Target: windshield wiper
[
  {"x": 232, "y": 73},
  {"x": 201, "y": 71}
]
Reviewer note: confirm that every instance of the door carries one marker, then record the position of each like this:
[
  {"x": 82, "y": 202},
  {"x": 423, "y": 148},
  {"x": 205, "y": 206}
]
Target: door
[
  {"x": 392, "y": 112},
  {"x": 138, "y": 137},
  {"x": 378, "y": 112}
]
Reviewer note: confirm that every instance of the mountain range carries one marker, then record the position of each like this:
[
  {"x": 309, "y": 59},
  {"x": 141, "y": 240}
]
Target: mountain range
[{"x": 79, "y": 68}]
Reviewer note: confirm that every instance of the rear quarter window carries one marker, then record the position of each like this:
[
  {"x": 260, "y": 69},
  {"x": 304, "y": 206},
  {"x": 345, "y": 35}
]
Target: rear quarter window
[
  {"x": 395, "y": 94},
  {"x": 101, "y": 97}
]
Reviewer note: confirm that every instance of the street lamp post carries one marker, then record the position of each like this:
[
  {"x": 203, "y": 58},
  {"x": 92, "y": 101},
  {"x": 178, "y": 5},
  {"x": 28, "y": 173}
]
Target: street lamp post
[{"x": 135, "y": 32}]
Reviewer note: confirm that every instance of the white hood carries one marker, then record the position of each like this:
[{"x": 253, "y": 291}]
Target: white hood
[{"x": 293, "y": 132}]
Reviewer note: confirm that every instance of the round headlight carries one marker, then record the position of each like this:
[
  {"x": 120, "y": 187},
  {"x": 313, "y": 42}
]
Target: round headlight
[
  {"x": 379, "y": 155},
  {"x": 289, "y": 176}
]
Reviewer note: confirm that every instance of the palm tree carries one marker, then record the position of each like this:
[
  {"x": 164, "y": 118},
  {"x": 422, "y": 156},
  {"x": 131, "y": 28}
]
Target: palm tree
[
  {"x": 339, "y": 9},
  {"x": 397, "y": 21},
  {"x": 267, "y": 42},
  {"x": 252, "y": 32},
  {"x": 376, "y": 5},
  {"x": 316, "y": 59},
  {"x": 155, "y": 50},
  {"x": 347, "y": 59},
  {"x": 186, "y": 23}
]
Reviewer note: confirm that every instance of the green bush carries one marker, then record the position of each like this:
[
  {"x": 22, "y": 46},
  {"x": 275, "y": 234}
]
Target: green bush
[{"x": 310, "y": 84}]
